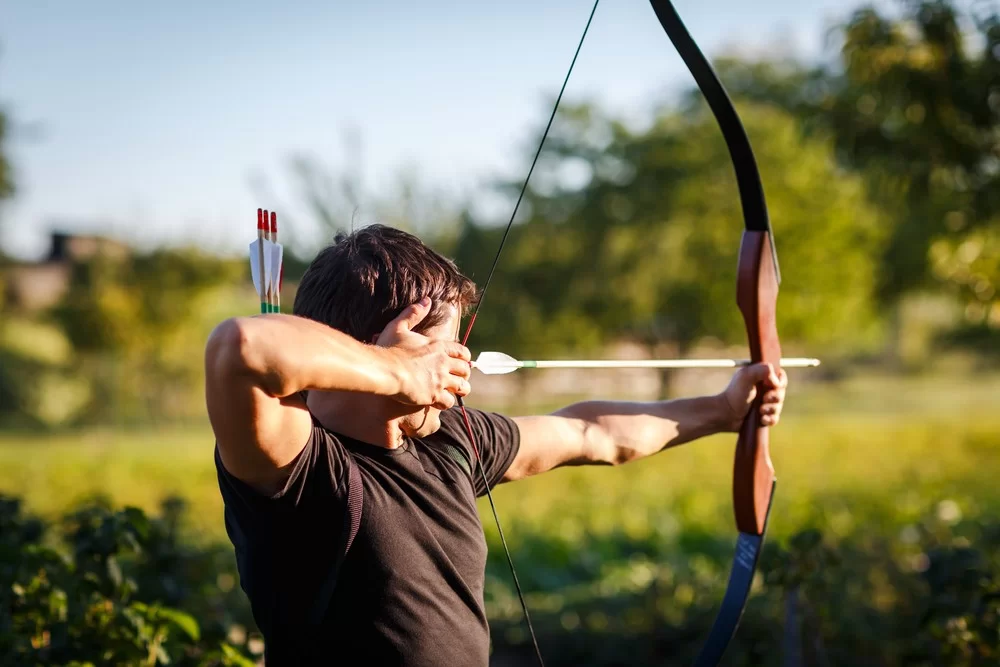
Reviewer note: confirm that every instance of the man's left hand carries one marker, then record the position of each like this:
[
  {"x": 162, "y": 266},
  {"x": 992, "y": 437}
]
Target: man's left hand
[{"x": 742, "y": 391}]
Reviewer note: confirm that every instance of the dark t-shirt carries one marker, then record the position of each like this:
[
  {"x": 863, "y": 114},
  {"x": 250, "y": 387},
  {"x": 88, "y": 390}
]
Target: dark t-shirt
[{"x": 410, "y": 591}]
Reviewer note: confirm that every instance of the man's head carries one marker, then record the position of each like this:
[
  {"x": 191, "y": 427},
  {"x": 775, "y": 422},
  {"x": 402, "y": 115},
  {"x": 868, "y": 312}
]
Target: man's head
[{"x": 365, "y": 279}]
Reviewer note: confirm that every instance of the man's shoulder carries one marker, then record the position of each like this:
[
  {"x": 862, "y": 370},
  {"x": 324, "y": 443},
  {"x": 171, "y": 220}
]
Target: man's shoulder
[
  {"x": 454, "y": 416},
  {"x": 490, "y": 430}
]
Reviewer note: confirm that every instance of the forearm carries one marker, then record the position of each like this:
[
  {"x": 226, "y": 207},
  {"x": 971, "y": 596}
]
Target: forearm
[
  {"x": 617, "y": 432},
  {"x": 286, "y": 354}
]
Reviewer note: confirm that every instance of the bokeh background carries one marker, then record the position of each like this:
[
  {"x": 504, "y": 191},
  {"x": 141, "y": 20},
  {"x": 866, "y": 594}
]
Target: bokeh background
[{"x": 137, "y": 141}]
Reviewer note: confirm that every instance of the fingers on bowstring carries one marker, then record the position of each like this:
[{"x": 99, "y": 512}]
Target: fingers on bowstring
[
  {"x": 459, "y": 368},
  {"x": 459, "y": 351},
  {"x": 445, "y": 400},
  {"x": 460, "y": 386}
]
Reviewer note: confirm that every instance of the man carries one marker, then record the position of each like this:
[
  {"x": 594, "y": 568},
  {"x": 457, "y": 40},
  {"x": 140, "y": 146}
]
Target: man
[{"x": 365, "y": 374}]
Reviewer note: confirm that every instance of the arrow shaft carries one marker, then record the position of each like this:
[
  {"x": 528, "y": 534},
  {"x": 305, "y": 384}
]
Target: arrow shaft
[
  {"x": 793, "y": 362},
  {"x": 260, "y": 260}
]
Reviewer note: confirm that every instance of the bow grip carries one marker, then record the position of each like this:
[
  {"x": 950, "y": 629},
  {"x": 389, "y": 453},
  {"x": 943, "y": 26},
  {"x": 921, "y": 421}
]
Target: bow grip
[{"x": 756, "y": 295}]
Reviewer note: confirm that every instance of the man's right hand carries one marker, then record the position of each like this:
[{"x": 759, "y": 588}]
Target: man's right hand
[{"x": 431, "y": 371}]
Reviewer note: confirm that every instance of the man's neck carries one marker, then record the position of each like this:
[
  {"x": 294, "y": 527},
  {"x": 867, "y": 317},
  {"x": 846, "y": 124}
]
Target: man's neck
[{"x": 365, "y": 418}]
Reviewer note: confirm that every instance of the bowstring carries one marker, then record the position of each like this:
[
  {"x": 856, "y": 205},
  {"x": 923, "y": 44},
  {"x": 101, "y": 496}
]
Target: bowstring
[{"x": 472, "y": 322}]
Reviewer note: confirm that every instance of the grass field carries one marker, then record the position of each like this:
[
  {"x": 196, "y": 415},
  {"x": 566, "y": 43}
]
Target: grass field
[
  {"x": 629, "y": 563},
  {"x": 884, "y": 449}
]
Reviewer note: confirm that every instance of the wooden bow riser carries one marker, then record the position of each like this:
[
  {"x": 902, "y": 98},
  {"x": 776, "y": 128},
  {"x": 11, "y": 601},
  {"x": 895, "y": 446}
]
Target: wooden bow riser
[{"x": 757, "y": 296}]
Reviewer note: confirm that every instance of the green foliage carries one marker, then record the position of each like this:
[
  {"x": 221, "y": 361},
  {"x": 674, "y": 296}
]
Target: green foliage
[
  {"x": 110, "y": 593},
  {"x": 7, "y": 188},
  {"x": 932, "y": 603},
  {"x": 917, "y": 106},
  {"x": 882, "y": 538},
  {"x": 646, "y": 246},
  {"x": 137, "y": 326},
  {"x": 913, "y": 105},
  {"x": 910, "y": 583},
  {"x": 881, "y": 552}
]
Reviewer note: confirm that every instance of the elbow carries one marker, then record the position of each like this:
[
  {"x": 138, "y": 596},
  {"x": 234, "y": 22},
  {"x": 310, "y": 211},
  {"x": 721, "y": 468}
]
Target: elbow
[
  {"x": 604, "y": 449},
  {"x": 233, "y": 350},
  {"x": 229, "y": 348},
  {"x": 620, "y": 455},
  {"x": 616, "y": 451}
]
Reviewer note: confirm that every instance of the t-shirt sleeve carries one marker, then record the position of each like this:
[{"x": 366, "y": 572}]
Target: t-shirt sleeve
[
  {"x": 317, "y": 476},
  {"x": 267, "y": 530},
  {"x": 497, "y": 440}
]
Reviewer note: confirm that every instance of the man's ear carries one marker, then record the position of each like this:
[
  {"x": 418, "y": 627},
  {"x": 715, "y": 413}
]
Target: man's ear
[{"x": 374, "y": 340}]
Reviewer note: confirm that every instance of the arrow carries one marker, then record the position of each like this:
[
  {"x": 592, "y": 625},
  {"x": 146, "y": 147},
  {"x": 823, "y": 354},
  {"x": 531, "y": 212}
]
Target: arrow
[
  {"x": 258, "y": 264},
  {"x": 498, "y": 363},
  {"x": 274, "y": 264},
  {"x": 266, "y": 256}
]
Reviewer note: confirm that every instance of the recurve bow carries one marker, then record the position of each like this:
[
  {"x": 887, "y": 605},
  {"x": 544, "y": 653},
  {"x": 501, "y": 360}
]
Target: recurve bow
[{"x": 757, "y": 280}]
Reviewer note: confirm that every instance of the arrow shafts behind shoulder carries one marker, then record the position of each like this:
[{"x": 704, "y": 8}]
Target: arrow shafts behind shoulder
[
  {"x": 261, "y": 282},
  {"x": 266, "y": 262}
]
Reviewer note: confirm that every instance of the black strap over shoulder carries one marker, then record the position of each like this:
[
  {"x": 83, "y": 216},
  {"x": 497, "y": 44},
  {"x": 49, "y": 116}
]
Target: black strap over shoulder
[{"x": 352, "y": 520}]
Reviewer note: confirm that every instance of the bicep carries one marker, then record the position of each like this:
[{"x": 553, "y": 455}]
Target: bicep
[
  {"x": 552, "y": 441},
  {"x": 258, "y": 435}
]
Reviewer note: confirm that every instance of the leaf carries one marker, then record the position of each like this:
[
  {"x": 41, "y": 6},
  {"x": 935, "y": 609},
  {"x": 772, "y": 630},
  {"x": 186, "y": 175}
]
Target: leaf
[
  {"x": 182, "y": 620},
  {"x": 114, "y": 571},
  {"x": 233, "y": 657}
]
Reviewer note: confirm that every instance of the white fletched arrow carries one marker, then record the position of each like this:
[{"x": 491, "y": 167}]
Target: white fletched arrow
[
  {"x": 266, "y": 257},
  {"x": 498, "y": 363}
]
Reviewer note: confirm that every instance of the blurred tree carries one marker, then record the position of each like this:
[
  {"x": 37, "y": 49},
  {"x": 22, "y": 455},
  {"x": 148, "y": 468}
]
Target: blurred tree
[
  {"x": 10, "y": 363},
  {"x": 6, "y": 169},
  {"x": 918, "y": 106},
  {"x": 138, "y": 327},
  {"x": 636, "y": 234},
  {"x": 914, "y": 103}
]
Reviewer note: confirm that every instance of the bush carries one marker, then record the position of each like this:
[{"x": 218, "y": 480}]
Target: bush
[
  {"x": 930, "y": 598},
  {"x": 116, "y": 587},
  {"x": 105, "y": 587}
]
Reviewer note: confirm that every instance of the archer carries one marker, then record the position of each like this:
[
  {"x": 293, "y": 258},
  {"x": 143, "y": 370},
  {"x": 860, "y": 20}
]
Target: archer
[{"x": 361, "y": 383}]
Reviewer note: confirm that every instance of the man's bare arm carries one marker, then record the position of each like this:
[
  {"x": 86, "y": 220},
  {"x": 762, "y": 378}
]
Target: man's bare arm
[
  {"x": 612, "y": 432},
  {"x": 255, "y": 368},
  {"x": 616, "y": 432}
]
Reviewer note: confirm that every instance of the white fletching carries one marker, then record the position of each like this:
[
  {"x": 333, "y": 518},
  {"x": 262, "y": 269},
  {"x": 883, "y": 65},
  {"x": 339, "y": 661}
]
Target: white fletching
[
  {"x": 496, "y": 363},
  {"x": 275, "y": 256},
  {"x": 268, "y": 253},
  {"x": 255, "y": 269}
]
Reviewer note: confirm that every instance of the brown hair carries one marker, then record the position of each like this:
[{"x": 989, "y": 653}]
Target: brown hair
[{"x": 366, "y": 278}]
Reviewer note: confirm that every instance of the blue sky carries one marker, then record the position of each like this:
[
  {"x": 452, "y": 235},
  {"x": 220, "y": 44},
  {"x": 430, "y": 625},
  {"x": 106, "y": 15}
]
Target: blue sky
[{"x": 154, "y": 120}]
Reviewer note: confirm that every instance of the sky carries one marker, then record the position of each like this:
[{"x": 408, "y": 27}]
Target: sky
[{"x": 173, "y": 122}]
